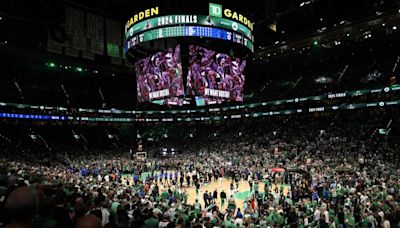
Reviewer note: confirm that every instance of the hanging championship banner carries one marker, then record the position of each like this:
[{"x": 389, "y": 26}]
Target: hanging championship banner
[{"x": 95, "y": 33}]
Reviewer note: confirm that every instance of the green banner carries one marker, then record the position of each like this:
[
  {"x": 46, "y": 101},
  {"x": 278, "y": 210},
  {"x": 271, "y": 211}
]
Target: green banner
[{"x": 202, "y": 20}]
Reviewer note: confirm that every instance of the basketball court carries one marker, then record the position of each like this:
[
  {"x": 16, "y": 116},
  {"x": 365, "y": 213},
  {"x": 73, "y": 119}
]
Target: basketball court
[{"x": 240, "y": 194}]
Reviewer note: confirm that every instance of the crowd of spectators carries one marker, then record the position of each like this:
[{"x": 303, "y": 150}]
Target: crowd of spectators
[{"x": 340, "y": 173}]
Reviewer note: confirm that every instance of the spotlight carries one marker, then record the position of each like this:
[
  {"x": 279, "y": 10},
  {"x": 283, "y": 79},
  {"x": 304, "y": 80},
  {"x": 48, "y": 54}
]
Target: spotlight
[{"x": 394, "y": 27}]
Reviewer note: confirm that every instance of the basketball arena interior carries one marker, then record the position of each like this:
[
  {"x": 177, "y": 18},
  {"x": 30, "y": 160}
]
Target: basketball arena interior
[{"x": 200, "y": 114}]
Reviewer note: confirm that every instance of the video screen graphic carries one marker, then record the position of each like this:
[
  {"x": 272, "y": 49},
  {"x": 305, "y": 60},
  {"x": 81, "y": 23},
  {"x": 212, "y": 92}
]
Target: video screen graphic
[
  {"x": 173, "y": 101},
  {"x": 159, "y": 76},
  {"x": 189, "y": 31},
  {"x": 204, "y": 101},
  {"x": 203, "y": 20},
  {"x": 215, "y": 75}
]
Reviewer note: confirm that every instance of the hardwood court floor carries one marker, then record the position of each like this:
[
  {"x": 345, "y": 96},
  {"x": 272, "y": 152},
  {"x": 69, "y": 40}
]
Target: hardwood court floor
[{"x": 241, "y": 194}]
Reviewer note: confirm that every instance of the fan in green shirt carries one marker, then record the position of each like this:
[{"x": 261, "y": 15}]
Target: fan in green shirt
[
  {"x": 281, "y": 188},
  {"x": 385, "y": 207},
  {"x": 214, "y": 222},
  {"x": 350, "y": 221},
  {"x": 271, "y": 219},
  {"x": 232, "y": 206},
  {"x": 197, "y": 207},
  {"x": 164, "y": 195},
  {"x": 150, "y": 223},
  {"x": 313, "y": 204},
  {"x": 255, "y": 186},
  {"x": 185, "y": 217},
  {"x": 365, "y": 222},
  {"x": 289, "y": 201},
  {"x": 266, "y": 183},
  {"x": 176, "y": 193},
  {"x": 114, "y": 207},
  {"x": 280, "y": 219},
  {"x": 229, "y": 224},
  {"x": 184, "y": 197}
]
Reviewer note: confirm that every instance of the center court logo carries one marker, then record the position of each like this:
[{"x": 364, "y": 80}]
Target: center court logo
[{"x": 215, "y": 10}]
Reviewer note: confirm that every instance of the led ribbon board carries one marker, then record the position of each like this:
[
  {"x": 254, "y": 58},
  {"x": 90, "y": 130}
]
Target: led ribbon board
[
  {"x": 181, "y": 19},
  {"x": 189, "y": 31}
]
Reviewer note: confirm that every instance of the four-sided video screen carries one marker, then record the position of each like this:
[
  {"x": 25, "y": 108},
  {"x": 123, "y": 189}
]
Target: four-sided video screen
[{"x": 212, "y": 77}]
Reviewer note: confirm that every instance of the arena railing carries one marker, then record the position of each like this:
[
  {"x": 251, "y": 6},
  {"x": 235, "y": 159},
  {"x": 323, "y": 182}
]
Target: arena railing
[
  {"x": 66, "y": 118},
  {"x": 325, "y": 96}
]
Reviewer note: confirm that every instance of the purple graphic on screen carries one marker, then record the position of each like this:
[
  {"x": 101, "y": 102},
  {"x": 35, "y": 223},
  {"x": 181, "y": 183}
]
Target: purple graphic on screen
[
  {"x": 215, "y": 75},
  {"x": 159, "y": 76}
]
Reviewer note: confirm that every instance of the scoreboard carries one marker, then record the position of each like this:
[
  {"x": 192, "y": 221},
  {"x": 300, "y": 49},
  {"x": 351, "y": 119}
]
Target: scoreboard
[
  {"x": 171, "y": 20},
  {"x": 189, "y": 31},
  {"x": 220, "y": 23}
]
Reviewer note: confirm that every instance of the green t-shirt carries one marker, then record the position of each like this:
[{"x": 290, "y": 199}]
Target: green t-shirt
[
  {"x": 279, "y": 219},
  {"x": 289, "y": 201},
  {"x": 351, "y": 221},
  {"x": 365, "y": 222},
  {"x": 313, "y": 204},
  {"x": 214, "y": 221},
  {"x": 229, "y": 224},
  {"x": 185, "y": 217},
  {"x": 193, "y": 213},
  {"x": 197, "y": 208},
  {"x": 232, "y": 206},
  {"x": 271, "y": 219},
  {"x": 385, "y": 208},
  {"x": 185, "y": 197},
  {"x": 150, "y": 223},
  {"x": 114, "y": 207},
  {"x": 164, "y": 195}
]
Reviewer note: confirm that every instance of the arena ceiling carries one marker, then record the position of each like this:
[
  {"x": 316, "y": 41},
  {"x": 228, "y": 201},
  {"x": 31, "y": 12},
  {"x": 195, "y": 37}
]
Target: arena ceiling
[{"x": 292, "y": 17}]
